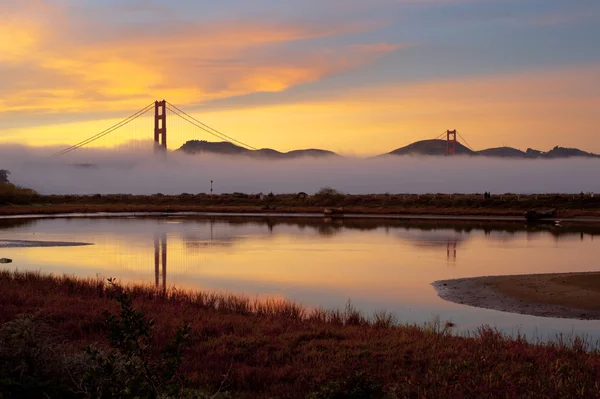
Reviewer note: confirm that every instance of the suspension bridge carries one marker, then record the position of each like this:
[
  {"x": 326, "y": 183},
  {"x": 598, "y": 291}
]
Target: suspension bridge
[{"x": 134, "y": 133}]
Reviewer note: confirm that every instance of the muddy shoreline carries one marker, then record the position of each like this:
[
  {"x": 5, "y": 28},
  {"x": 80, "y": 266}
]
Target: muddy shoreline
[
  {"x": 433, "y": 214},
  {"x": 561, "y": 295}
]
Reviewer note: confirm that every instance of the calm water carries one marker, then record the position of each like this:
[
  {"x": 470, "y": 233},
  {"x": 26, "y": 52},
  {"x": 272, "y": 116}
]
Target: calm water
[{"x": 376, "y": 264}]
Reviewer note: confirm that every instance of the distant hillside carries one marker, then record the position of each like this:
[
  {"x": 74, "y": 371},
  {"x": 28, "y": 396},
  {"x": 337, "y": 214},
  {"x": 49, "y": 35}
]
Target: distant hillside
[
  {"x": 504, "y": 152},
  {"x": 226, "y": 148},
  {"x": 430, "y": 147},
  {"x": 438, "y": 148},
  {"x": 424, "y": 147},
  {"x": 562, "y": 152}
]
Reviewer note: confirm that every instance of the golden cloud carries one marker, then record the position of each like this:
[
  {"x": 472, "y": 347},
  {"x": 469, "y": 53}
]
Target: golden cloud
[
  {"x": 59, "y": 68},
  {"x": 531, "y": 109}
]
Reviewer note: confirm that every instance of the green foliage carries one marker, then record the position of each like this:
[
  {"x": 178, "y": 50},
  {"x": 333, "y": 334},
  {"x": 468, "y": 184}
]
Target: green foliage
[
  {"x": 131, "y": 370},
  {"x": 30, "y": 366}
]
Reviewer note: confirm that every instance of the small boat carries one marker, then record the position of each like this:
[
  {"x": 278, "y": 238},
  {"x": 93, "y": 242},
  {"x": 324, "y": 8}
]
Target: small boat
[
  {"x": 533, "y": 215},
  {"x": 333, "y": 212}
]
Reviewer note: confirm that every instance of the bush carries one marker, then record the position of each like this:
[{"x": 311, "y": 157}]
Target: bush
[
  {"x": 11, "y": 194},
  {"x": 4, "y": 176},
  {"x": 328, "y": 196},
  {"x": 130, "y": 370},
  {"x": 30, "y": 364},
  {"x": 357, "y": 386},
  {"x": 34, "y": 364}
]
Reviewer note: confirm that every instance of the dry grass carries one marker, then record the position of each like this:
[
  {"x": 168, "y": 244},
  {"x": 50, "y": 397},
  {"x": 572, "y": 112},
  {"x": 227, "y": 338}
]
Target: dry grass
[{"x": 279, "y": 349}]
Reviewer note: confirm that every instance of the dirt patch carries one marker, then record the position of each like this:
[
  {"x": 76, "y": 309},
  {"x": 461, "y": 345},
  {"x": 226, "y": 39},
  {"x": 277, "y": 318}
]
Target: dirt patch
[{"x": 565, "y": 295}]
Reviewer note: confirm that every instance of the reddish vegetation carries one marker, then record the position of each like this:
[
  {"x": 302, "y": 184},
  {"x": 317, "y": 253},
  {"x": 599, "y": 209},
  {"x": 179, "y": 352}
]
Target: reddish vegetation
[{"x": 279, "y": 349}]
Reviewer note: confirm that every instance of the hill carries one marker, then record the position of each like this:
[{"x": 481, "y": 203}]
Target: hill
[
  {"x": 503, "y": 152},
  {"x": 430, "y": 147},
  {"x": 562, "y": 152},
  {"x": 438, "y": 148},
  {"x": 226, "y": 148},
  {"x": 424, "y": 147}
]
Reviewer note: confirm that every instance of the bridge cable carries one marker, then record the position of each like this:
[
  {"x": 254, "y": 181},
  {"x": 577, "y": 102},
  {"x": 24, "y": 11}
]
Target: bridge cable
[
  {"x": 193, "y": 123},
  {"x": 465, "y": 141},
  {"x": 206, "y": 128},
  {"x": 104, "y": 132},
  {"x": 440, "y": 136}
]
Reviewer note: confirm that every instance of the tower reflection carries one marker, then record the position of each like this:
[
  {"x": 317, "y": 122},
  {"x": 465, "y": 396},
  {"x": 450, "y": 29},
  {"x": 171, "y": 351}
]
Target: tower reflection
[
  {"x": 160, "y": 260},
  {"x": 451, "y": 251}
]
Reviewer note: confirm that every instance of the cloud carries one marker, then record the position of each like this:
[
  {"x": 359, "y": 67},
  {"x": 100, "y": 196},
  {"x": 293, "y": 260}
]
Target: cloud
[
  {"x": 580, "y": 15},
  {"x": 538, "y": 109},
  {"x": 80, "y": 65},
  {"x": 535, "y": 108}
]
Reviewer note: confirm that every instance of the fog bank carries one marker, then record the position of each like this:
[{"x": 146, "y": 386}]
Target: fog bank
[{"x": 126, "y": 172}]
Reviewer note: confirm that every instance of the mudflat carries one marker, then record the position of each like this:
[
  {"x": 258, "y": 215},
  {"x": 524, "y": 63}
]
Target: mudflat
[{"x": 565, "y": 295}]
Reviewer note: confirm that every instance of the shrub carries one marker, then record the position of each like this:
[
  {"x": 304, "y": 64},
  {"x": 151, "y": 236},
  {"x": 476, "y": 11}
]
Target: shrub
[
  {"x": 328, "y": 196},
  {"x": 34, "y": 364},
  {"x": 131, "y": 370},
  {"x": 30, "y": 364},
  {"x": 357, "y": 386},
  {"x": 4, "y": 176},
  {"x": 11, "y": 194}
]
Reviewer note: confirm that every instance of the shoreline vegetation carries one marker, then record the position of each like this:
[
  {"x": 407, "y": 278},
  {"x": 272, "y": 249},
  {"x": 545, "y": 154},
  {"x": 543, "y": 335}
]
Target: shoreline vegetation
[
  {"x": 18, "y": 201},
  {"x": 565, "y": 295},
  {"x": 223, "y": 345}
]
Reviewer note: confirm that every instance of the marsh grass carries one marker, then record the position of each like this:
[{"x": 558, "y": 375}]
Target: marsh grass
[{"x": 255, "y": 348}]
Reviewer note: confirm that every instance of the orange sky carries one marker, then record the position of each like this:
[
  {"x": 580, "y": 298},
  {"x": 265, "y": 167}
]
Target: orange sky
[{"x": 363, "y": 82}]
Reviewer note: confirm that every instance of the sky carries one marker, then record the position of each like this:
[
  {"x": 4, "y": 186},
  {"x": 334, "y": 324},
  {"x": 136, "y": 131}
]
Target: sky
[{"x": 356, "y": 77}]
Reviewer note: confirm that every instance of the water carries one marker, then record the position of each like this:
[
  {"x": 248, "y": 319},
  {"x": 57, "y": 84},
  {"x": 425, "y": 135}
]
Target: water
[{"x": 378, "y": 265}]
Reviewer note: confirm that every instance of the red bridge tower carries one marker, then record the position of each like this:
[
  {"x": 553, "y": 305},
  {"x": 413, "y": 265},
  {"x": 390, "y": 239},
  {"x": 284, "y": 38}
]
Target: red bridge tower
[
  {"x": 160, "y": 125},
  {"x": 451, "y": 142}
]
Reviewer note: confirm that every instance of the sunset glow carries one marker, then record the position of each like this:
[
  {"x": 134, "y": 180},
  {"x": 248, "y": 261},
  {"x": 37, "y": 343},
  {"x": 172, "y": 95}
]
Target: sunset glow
[{"x": 358, "y": 78}]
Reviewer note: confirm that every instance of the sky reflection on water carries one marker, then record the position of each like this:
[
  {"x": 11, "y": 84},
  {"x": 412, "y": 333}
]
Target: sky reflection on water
[{"x": 376, "y": 264}]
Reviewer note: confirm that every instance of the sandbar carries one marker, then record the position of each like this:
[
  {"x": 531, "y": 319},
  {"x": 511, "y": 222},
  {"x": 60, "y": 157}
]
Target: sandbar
[
  {"x": 563, "y": 295},
  {"x": 36, "y": 244}
]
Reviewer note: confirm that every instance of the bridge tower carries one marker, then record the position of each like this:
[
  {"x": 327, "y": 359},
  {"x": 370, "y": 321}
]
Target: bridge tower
[
  {"x": 451, "y": 142},
  {"x": 160, "y": 125}
]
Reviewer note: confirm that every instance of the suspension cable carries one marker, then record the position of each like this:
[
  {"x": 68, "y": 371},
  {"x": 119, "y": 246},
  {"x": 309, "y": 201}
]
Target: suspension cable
[
  {"x": 465, "y": 141},
  {"x": 206, "y": 128},
  {"x": 439, "y": 136},
  {"x": 104, "y": 132}
]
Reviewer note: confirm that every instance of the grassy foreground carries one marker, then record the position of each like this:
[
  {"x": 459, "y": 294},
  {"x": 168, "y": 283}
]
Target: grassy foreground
[{"x": 242, "y": 348}]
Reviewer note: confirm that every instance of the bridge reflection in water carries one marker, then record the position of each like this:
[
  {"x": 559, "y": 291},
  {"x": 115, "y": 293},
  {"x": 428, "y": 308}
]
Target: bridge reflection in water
[{"x": 160, "y": 260}]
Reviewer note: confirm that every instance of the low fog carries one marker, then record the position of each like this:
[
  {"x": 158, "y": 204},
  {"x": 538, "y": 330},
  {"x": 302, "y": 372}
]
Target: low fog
[{"x": 108, "y": 172}]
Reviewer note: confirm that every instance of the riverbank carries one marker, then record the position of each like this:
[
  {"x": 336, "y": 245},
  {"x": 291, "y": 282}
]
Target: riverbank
[
  {"x": 50, "y": 209},
  {"x": 252, "y": 349},
  {"x": 508, "y": 205},
  {"x": 565, "y": 295}
]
